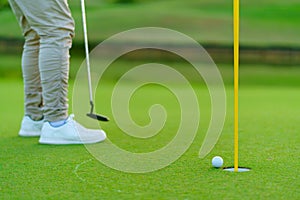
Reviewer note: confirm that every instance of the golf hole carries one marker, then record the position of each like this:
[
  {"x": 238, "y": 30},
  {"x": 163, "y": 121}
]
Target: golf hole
[{"x": 240, "y": 169}]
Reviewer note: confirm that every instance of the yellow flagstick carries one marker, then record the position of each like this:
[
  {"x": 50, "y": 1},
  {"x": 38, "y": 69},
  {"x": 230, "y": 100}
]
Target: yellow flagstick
[{"x": 236, "y": 82}]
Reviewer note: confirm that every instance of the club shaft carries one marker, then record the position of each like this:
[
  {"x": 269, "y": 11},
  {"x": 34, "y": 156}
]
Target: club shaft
[{"x": 87, "y": 59}]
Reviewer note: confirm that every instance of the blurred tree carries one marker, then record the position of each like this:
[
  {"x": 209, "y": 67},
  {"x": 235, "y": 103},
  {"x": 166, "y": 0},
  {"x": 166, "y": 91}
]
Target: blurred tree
[
  {"x": 125, "y": 1},
  {"x": 3, "y": 3},
  {"x": 122, "y": 1},
  {"x": 128, "y": 1}
]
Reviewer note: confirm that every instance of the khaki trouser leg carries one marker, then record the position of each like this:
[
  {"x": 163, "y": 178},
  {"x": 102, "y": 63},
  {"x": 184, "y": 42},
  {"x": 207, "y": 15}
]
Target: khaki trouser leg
[
  {"x": 54, "y": 79},
  {"x": 48, "y": 29},
  {"x": 33, "y": 102},
  {"x": 31, "y": 77}
]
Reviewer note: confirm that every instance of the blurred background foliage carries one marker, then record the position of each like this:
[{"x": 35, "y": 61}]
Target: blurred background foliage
[
  {"x": 269, "y": 29},
  {"x": 3, "y": 3}
]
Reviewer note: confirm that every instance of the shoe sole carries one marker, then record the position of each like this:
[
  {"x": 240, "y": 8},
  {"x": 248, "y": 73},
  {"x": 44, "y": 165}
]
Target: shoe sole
[
  {"x": 60, "y": 141},
  {"x": 29, "y": 134}
]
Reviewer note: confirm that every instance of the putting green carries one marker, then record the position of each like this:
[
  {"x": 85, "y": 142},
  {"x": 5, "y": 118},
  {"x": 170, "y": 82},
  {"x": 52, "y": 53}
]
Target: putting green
[{"x": 269, "y": 145}]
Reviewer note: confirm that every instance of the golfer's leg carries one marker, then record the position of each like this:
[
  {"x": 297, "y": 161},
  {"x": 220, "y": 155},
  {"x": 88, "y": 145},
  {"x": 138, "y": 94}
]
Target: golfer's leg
[
  {"x": 54, "y": 69},
  {"x": 54, "y": 25},
  {"x": 30, "y": 69},
  {"x": 56, "y": 31},
  {"x": 31, "y": 77}
]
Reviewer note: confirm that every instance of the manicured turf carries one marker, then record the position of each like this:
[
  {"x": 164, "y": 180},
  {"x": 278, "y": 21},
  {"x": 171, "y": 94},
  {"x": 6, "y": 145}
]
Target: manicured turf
[{"x": 269, "y": 144}]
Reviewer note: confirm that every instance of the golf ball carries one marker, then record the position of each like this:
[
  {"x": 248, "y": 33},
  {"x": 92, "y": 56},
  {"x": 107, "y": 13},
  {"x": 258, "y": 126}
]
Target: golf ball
[{"x": 217, "y": 161}]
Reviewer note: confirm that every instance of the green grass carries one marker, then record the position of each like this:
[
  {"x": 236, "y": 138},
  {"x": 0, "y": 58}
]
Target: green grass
[
  {"x": 263, "y": 22},
  {"x": 269, "y": 145}
]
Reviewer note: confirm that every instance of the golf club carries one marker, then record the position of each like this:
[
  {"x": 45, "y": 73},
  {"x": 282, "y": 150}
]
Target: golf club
[{"x": 91, "y": 114}]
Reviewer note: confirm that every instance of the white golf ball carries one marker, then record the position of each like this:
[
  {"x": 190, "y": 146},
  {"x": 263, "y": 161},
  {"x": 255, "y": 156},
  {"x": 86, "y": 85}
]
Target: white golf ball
[{"x": 217, "y": 161}]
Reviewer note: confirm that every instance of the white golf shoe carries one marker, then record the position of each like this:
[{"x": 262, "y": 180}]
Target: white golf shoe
[
  {"x": 30, "y": 128},
  {"x": 70, "y": 133}
]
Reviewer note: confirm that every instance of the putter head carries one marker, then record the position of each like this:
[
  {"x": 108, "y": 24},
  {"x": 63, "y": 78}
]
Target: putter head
[{"x": 98, "y": 117}]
